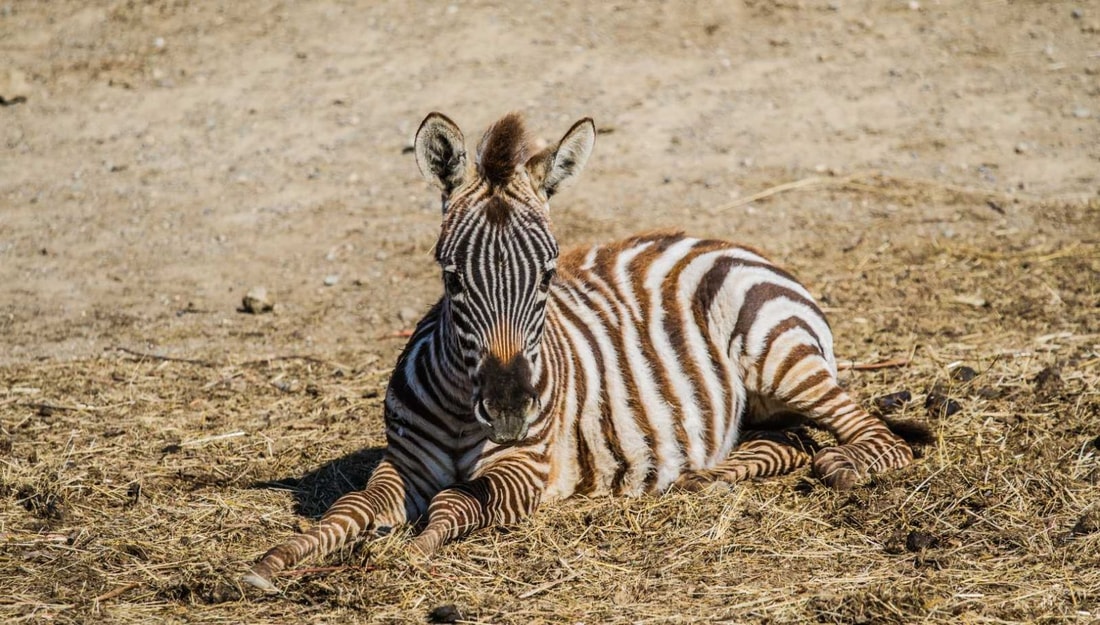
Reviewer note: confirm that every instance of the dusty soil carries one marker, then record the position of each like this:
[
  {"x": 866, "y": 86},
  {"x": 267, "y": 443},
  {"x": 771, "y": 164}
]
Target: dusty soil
[{"x": 160, "y": 158}]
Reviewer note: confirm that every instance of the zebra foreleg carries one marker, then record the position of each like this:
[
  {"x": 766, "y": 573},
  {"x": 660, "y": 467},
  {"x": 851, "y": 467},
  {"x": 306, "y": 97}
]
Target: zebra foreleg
[
  {"x": 761, "y": 453},
  {"x": 380, "y": 504},
  {"x": 502, "y": 495}
]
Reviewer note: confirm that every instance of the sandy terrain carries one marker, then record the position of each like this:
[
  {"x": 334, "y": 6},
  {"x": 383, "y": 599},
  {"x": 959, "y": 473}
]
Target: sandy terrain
[{"x": 160, "y": 158}]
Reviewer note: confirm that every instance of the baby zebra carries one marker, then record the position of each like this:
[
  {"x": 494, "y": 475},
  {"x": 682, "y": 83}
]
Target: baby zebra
[{"x": 622, "y": 369}]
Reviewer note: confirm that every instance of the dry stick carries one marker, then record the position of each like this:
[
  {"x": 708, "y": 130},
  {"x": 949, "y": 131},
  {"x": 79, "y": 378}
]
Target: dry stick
[
  {"x": 211, "y": 439},
  {"x": 853, "y": 180},
  {"x": 212, "y": 364},
  {"x": 111, "y": 594},
  {"x": 870, "y": 366},
  {"x": 547, "y": 586},
  {"x": 788, "y": 186},
  {"x": 312, "y": 359},
  {"x": 134, "y": 352}
]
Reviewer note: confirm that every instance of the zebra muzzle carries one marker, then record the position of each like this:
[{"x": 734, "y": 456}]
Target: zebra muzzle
[
  {"x": 507, "y": 398},
  {"x": 506, "y": 426}
]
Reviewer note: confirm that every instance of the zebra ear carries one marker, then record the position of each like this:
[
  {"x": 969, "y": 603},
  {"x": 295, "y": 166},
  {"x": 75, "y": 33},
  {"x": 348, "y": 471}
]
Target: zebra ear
[
  {"x": 441, "y": 152},
  {"x": 553, "y": 167}
]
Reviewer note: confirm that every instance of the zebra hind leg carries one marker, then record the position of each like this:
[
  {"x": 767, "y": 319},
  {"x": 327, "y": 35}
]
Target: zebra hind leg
[
  {"x": 761, "y": 453},
  {"x": 866, "y": 443}
]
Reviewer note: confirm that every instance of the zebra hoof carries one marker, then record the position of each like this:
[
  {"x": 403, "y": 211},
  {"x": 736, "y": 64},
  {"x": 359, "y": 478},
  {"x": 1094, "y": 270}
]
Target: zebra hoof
[
  {"x": 259, "y": 581},
  {"x": 699, "y": 481},
  {"x": 836, "y": 469},
  {"x": 691, "y": 482}
]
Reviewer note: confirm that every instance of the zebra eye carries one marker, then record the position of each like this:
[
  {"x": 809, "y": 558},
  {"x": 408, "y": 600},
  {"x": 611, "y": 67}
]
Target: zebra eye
[
  {"x": 547, "y": 278},
  {"x": 452, "y": 283}
]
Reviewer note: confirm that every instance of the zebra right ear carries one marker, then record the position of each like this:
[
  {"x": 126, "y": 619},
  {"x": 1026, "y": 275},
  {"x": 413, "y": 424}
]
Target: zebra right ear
[
  {"x": 441, "y": 152},
  {"x": 553, "y": 167}
]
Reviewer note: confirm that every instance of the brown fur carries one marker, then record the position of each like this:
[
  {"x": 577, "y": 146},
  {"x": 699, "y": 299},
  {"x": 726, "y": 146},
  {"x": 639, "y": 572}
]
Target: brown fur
[{"x": 504, "y": 147}]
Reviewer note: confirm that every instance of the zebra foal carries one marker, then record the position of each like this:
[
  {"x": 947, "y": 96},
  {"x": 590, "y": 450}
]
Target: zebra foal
[{"x": 622, "y": 369}]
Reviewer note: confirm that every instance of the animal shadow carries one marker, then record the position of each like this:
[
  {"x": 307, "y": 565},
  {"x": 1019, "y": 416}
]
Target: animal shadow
[{"x": 317, "y": 490}]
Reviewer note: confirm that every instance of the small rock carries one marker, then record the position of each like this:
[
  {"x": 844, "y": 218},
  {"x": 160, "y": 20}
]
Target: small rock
[
  {"x": 446, "y": 613},
  {"x": 13, "y": 87},
  {"x": 1048, "y": 381},
  {"x": 256, "y": 301},
  {"x": 919, "y": 541},
  {"x": 970, "y": 300},
  {"x": 407, "y": 315},
  {"x": 1022, "y": 148},
  {"x": 939, "y": 406},
  {"x": 1077, "y": 14},
  {"x": 158, "y": 43},
  {"x": 1089, "y": 523},
  {"x": 988, "y": 392},
  {"x": 223, "y": 593},
  {"x": 892, "y": 402},
  {"x": 1082, "y": 113},
  {"x": 331, "y": 280},
  {"x": 963, "y": 374}
]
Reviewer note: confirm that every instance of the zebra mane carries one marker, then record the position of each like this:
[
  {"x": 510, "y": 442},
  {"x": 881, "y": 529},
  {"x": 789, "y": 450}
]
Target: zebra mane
[{"x": 503, "y": 147}]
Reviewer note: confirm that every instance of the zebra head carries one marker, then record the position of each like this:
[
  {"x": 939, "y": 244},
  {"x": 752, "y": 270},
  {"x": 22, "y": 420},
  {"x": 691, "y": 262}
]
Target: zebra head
[{"x": 498, "y": 256}]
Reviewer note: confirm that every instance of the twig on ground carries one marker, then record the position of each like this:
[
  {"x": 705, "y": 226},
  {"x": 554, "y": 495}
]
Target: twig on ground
[
  {"x": 211, "y": 439},
  {"x": 193, "y": 361},
  {"x": 247, "y": 363},
  {"x": 870, "y": 366},
  {"x": 547, "y": 586},
  {"x": 863, "y": 181},
  {"x": 812, "y": 181},
  {"x": 111, "y": 594},
  {"x": 313, "y": 359}
]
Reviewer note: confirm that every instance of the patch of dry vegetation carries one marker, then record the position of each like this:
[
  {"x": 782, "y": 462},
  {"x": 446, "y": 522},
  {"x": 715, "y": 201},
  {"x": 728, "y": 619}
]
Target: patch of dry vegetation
[{"x": 135, "y": 488}]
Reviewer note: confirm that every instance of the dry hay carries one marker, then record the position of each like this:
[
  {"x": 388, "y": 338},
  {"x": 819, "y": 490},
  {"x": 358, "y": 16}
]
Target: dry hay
[{"x": 137, "y": 488}]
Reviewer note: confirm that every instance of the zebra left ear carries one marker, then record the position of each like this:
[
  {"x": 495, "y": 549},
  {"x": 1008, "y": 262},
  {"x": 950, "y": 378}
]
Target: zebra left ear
[
  {"x": 441, "y": 152},
  {"x": 552, "y": 168}
]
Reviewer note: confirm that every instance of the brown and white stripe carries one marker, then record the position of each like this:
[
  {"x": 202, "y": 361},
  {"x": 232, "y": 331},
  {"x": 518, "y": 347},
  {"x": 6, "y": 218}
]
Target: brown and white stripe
[{"x": 620, "y": 369}]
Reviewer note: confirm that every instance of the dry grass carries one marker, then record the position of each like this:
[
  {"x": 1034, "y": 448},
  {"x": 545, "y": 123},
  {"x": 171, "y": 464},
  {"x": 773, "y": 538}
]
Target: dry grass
[{"x": 136, "y": 488}]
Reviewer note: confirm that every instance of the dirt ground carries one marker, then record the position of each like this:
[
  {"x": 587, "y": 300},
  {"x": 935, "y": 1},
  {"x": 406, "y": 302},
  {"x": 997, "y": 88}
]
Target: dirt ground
[{"x": 931, "y": 169}]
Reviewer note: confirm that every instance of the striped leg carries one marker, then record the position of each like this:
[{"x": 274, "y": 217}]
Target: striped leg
[
  {"x": 380, "y": 504},
  {"x": 866, "y": 444},
  {"x": 504, "y": 494},
  {"x": 761, "y": 453}
]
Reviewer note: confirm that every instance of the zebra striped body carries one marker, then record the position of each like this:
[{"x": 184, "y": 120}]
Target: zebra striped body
[{"x": 620, "y": 369}]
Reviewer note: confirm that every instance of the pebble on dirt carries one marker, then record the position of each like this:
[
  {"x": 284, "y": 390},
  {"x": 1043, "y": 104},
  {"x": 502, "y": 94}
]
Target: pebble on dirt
[
  {"x": 1048, "y": 381},
  {"x": 1089, "y": 523},
  {"x": 918, "y": 541},
  {"x": 256, "y": 301},
  {"x": 13, "y": 87},
  {"x": 407, "y": 315},
  {"x": 446, "y": 613},
  {"x": 940, "y": 406},
  {"x": 963, "y": 374},
  {"x": 892, "y": 402}
]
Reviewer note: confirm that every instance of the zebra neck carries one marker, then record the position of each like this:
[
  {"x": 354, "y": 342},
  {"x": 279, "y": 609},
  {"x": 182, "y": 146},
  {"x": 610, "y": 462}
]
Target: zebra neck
[{"x": 449, "y": 374}]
